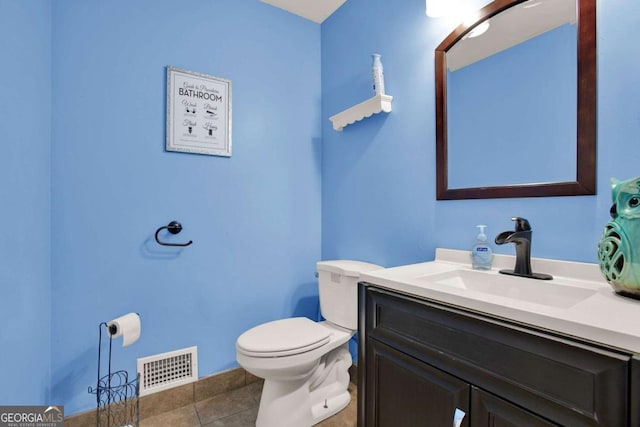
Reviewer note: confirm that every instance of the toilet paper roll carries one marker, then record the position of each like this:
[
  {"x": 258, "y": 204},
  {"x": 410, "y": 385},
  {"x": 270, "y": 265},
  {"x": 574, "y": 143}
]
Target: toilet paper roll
[{"x": 127, "y": 327}]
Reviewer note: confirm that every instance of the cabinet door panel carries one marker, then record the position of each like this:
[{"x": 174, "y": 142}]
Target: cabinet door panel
[
  {"x": 407, "y": 392},
  {"x": 490, "y": 411}
]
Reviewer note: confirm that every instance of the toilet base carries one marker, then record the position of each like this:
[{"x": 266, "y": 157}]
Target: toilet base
[
  {"x": 330, "y": 406},
  {"x": 307, "y": 401}
]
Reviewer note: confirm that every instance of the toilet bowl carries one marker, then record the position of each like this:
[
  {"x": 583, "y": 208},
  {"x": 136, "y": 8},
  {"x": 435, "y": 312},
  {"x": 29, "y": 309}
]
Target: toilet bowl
[{"x": 305, "y": 363}]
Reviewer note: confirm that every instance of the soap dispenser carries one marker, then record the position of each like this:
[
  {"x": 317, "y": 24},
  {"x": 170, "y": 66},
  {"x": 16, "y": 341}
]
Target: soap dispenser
[{"x": 481, "y": 253}]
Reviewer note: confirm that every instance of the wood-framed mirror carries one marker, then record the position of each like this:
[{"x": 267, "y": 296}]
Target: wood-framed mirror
[{"x": 565, "y": 144}]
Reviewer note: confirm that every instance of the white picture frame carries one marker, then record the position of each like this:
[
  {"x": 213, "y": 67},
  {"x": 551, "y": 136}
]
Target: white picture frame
[{"x": 198, "y": 113}]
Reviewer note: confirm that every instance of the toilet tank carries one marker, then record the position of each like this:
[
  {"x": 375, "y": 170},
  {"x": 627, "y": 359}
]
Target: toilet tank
[{"x": 338, "y": 289}]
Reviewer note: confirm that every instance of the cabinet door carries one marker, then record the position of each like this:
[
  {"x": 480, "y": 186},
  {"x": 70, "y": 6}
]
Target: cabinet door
[
  {"x": 404, "y": 392},
  {"x": 491, "y": 411}
]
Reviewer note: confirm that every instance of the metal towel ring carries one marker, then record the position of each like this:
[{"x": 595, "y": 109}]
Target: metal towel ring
[{"x": 174, "y": 227}]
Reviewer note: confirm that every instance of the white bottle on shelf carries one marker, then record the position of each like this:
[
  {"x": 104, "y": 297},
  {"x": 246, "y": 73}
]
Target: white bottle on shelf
[{"x": 377, "y": 74}]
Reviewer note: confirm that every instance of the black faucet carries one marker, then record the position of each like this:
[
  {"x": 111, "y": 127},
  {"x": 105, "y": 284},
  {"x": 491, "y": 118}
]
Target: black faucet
[{"x": 521, "y": 237}]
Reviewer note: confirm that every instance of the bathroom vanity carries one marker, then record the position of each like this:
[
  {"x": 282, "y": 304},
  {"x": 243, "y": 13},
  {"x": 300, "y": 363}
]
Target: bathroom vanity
[{"x": 440, "y": 341}]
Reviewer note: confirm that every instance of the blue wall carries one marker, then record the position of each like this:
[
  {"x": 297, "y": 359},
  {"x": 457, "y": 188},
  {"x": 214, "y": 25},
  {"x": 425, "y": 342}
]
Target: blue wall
[
  {"x": 25, "y": 132},
  {"x": 378, "y": 189},
  {"x": 254, "y": 218},
  {"x": 85, "y": 253}
]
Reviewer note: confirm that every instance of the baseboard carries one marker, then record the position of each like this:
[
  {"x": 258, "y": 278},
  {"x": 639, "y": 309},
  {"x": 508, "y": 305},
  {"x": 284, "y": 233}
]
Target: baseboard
[
  {"x": 174, "y": 398},
  {"x": 353, "y": 373}
]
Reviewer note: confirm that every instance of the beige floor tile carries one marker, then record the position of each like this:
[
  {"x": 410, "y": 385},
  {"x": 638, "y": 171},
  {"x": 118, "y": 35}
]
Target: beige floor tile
[
  {"x": 181, "y": 417},
  {"x": 226, "y": 404},
  {"x": 255, "y": 390},
  {"x": 241, "y": 419},
  {"x": 238, "y": 408}
]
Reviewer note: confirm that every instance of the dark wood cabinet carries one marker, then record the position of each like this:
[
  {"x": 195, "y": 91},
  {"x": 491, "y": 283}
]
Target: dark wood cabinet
[
  {"x": 421, "y": 360},
  {"x": 491, "y": 411},
  {"x": 412, "y": 393}
]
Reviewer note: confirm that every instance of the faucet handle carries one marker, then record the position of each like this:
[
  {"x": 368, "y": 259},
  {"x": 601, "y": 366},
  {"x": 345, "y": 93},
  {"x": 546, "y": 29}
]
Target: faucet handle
[{"x": 522, "y": 224}]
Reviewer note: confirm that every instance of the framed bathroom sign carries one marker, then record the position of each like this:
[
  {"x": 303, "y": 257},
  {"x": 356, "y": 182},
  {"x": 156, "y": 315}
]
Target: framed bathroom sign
[{"x": 198, "y": 113}]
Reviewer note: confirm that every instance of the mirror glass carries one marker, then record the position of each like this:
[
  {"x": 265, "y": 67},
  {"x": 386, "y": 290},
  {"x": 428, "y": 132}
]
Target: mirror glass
[{"x": 508, "y": 96}]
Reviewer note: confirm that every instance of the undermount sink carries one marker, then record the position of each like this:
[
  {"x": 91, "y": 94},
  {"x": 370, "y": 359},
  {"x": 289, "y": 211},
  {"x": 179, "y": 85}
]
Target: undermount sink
[{"x": 553, "y": 293}]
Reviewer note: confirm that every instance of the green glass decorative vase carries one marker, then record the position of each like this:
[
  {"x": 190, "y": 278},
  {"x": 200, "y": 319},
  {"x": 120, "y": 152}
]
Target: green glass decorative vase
[{"x": 619, "y": 246}]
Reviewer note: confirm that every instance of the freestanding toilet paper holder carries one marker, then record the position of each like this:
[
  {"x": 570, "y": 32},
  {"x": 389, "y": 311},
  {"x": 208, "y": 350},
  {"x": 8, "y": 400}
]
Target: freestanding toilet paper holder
[{"x": 117, "y": 402}]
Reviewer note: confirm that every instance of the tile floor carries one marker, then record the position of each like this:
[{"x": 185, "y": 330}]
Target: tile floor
[{"x": 237, "y": 408}]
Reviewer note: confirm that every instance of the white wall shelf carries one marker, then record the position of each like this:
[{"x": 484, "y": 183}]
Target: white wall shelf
[{"x": 363, "y": 110}]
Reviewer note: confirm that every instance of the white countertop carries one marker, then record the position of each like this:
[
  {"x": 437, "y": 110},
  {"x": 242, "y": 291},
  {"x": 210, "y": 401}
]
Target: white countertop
[{"x": 602, "y": 317}]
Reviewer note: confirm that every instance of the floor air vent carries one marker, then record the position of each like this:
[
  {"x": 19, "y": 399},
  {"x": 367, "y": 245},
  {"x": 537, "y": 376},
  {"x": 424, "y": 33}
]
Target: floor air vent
[{"x": 167, "y": 370}]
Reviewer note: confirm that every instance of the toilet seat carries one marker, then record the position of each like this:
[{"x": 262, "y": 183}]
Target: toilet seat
[{"x": 283, "y": 337}]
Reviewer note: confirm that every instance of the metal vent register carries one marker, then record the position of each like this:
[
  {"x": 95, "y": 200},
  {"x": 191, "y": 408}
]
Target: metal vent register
[{"x": 168, "y": 370}]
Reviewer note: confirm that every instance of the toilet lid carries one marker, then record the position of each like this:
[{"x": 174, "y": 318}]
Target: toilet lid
[{"x": 282, "y": 338}]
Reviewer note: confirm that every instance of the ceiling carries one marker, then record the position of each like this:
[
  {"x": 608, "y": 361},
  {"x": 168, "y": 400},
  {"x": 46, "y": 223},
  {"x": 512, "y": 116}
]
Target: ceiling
[
  {"x": 314, "y": 10},
  {"x": 507, "y": 29},
  {"x": 511, "y": 27}
]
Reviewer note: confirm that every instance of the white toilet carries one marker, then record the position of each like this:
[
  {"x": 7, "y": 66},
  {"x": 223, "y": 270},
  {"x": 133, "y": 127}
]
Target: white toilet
[{"x": 305, "y": 363}]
